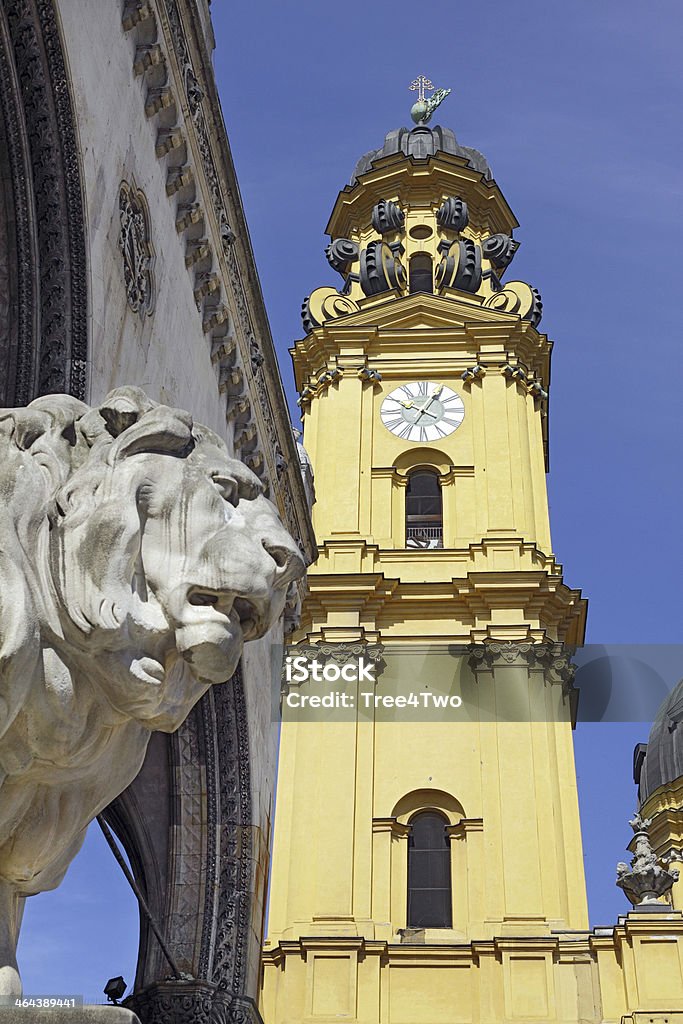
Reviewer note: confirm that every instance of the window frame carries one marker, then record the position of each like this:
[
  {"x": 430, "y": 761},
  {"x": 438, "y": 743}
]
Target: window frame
[{"x": 445, "y": 920}]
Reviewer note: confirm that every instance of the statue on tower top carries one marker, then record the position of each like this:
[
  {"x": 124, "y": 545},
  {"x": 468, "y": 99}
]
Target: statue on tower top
[{"x": 422, "y": 110}]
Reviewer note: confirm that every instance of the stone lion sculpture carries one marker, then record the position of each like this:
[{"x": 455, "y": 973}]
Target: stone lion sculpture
[{"x": 136, "y": 557}]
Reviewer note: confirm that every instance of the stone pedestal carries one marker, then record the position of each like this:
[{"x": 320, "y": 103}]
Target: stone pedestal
[{"x": 75, "y": 1015}]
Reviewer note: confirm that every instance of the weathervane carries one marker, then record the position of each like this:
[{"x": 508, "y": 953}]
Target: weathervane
[{"x": 426, "y": 105}]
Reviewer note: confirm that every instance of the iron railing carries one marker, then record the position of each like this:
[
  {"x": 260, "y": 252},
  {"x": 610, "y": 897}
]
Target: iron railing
[{"x": 418, "y": 536}]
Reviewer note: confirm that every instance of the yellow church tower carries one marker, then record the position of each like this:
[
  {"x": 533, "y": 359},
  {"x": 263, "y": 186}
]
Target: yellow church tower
[{"x": 428, "y": 867}]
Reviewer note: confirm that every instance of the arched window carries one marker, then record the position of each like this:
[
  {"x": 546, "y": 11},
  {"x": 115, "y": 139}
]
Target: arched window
[
  {"x": 429, "y": 872},
  {"x": 421, "y": 273},
  {"x": 424, "y": 516}
]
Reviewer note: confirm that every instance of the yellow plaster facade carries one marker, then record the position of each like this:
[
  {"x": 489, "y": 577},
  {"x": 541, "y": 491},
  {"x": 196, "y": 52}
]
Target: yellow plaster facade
[{"x": 519, "y": 947}]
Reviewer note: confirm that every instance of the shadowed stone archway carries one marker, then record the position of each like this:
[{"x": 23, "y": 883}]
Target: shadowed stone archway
[
  {"x": 185, "y": 823},
  {"x": 43, "y": 292}
]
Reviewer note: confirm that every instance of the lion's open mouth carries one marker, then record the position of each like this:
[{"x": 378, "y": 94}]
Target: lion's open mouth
[
  {"x": 248, "y": 616},
  {"x": 241, "y": 608}
]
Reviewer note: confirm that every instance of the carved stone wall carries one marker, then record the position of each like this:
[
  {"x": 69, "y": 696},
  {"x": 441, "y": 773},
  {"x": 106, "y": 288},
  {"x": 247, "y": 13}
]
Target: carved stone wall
[
  {"x": 42, "y": 242},
  {"x": 8, "y": 288},
  {"x": 139, "y": 107},
  {"x": 195, "y": 862}
]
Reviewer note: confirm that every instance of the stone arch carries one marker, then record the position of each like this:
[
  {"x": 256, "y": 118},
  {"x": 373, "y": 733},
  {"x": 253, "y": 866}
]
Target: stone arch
[
  {"x": 466, "y": 853},
  {"x": 415, "y": 460},
  {"x": 422, "y": 458},
  {"x": 185, "y": 823},
  {"x": 418, "y": 800},
  {"x": 42, "y": 235}
]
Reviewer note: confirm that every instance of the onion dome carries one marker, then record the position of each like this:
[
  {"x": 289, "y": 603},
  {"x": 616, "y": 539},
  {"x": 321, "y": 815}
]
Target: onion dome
[{"x": 661, "y": 761}]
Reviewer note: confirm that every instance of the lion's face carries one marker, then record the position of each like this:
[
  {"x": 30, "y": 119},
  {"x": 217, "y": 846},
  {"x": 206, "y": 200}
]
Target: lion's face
[{"x": 165, "y": 558}]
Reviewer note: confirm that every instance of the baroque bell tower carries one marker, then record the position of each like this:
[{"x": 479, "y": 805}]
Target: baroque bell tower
[{"x": 430, "y": 870}]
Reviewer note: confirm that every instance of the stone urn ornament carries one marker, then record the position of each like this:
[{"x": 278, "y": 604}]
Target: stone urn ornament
[{"x": 646, "y": 881}]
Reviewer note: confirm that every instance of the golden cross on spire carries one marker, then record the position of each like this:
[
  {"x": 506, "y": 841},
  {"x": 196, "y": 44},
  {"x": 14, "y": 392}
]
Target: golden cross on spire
[{"x": 419, "y": 85}]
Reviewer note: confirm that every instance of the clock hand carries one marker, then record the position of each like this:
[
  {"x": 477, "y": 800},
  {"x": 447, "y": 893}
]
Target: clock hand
[
  {"x": 424, "y": 412},
  {"x": 429, "y": 401},
  {"x": 406, "y": 405},
  {"x": 437, "y": 391}
]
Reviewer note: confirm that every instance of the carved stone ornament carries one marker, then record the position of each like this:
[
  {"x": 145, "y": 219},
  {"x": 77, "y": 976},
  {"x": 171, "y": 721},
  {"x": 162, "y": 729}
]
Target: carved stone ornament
[
  {"x": 325, "y": 304},
  {"x": 138, "y": 557},
  {"x": 255, "y": 355},
  {"x": 46, "y": 349},
  {"x": 472, "y": 373},
  {"x": 646, "y": 880},
  {"x": 499, "y": 249},
  {"x": 453, "y": 214},
  {"x": 341, "y": 254},
  {"x": 380, "y": 269},
  {"x": 387, "y": 217},
  {"x": 136, "y": 249},
  {"x": 520, "y": 298},
  {"x": 460, "y": 267},
  {"x": 193, "y": 90},
  {"x": 177, "y": 1003},
  {"x": 515, "y": 652}
]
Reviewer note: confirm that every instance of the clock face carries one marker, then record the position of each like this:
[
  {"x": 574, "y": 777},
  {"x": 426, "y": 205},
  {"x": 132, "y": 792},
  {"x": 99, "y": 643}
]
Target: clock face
[{"x": 422, "y": 411}]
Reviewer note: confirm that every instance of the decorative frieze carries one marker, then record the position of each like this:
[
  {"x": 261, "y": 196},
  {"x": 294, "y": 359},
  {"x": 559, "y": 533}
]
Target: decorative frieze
[{"x": 553, "y": 658}]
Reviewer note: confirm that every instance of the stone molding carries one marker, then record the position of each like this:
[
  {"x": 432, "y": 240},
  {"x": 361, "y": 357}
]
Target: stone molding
[
  {"x": 52, "y": 341},
  {"x": 464, "y": 827},
  {"x": 226, "y": 286},
  {"x": 397, "y": 829},
  {"x": 208, "y": 905},
  {"x": 519, "y": 652}
]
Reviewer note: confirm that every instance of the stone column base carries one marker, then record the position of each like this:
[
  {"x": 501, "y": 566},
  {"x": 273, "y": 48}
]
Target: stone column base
[{"x": 190, "y": 1002}]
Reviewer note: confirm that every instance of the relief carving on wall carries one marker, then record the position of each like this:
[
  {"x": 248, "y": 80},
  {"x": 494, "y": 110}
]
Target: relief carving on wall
[{"x": 135, "y": 245}]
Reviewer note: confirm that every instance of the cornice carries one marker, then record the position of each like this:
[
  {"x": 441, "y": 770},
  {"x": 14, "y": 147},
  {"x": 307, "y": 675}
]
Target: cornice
[
  {"x": 668, "y": 923},
  {"x": 539, "y": 595},
  {"x": 463, "y": 827},
  {"x": 565, "y": 948},
  {"x": 391, "y": 825},
  {"x": 398, "y": 337},
  {"x": 421, "y": 182}
]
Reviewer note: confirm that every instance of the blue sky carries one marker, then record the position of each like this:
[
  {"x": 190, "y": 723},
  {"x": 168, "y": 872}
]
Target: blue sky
[{"x": 577, "y": 107}]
